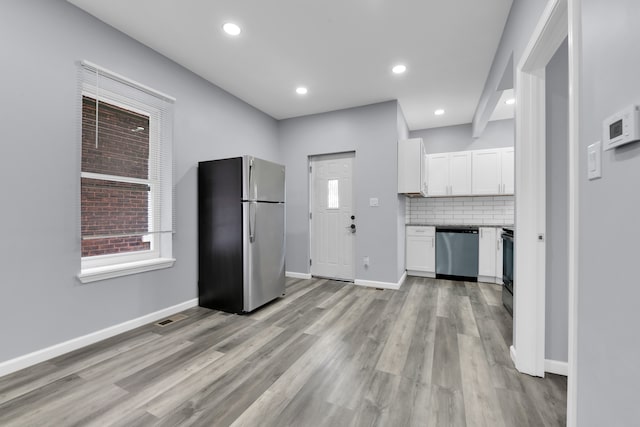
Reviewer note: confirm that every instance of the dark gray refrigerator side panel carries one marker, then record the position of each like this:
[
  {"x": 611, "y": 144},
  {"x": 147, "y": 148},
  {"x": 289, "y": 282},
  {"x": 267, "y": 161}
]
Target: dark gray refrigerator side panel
[
  {"x": 264, "y": 263},
  {"x": 264, "y": 180},
  {"x": 220, "y": 241}
]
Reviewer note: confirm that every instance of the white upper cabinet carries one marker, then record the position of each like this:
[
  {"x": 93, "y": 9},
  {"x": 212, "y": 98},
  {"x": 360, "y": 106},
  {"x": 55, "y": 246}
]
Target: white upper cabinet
[
  {"x": 438, "y": 174},
  {"x": 412, "y": 176},
  {"x": 470, "y": 173},
  {"x": 508, "y": 167},
  {"x": 460, "y": 174},
  {"x": 493, "y": 172},
  {"x": 486, "y": 172},
  {"x": 449, "y": 174}
]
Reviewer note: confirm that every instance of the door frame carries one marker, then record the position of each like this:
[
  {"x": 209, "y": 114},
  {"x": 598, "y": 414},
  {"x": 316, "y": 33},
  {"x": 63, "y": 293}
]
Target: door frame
[
  {"x": 575, "y": 61},
  {"x": 561, "y": 18},
  {"x": 528, "y": 350},
  {"x": 311, "y": 193}
]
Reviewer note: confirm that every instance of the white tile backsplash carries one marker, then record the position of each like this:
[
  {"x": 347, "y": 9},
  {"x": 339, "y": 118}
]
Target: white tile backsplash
[{"x": 490, "y": 210}]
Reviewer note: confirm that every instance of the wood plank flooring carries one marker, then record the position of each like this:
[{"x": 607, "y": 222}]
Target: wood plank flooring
[{"x": 434, "y": 353}]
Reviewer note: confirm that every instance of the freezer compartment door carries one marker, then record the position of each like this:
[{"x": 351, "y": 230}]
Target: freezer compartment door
[
  {"x": 263, "y": 253},
  {"x": 263, "y": 180}
]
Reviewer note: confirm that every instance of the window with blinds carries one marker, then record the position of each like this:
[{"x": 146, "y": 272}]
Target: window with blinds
[{"x": 126, "y": 178}]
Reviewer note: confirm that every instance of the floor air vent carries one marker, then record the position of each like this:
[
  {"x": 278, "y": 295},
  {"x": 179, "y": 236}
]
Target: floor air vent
[{"x": 170, "y": 320}]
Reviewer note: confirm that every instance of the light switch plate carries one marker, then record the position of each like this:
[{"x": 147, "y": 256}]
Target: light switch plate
[
  {"x": 373, "y": 202},
  {"x": 594, "y": 160}
]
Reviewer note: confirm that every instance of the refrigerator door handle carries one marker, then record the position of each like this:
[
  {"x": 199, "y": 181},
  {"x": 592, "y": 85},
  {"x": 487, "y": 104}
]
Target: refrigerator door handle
[
  {"x": 251, "y": 196},
  {"x": 252, "y": 222}
]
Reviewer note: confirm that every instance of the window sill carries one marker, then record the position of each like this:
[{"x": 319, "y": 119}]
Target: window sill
[{"x": 89, "y": 275}]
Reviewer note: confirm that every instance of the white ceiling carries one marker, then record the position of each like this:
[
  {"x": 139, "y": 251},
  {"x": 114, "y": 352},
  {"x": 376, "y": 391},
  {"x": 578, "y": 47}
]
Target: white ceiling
[{"x": 342, "y": 50}]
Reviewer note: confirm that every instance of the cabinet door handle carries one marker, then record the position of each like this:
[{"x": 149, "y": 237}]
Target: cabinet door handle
[
  {"x": 499, "y": 186},
  {"x": 433, "y": 242}
]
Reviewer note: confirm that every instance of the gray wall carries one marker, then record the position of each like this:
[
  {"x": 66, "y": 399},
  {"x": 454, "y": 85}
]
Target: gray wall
[
  {"x": 498, "y": 134},
  {"x": 523, "y": 17},
  {"x": 557, "y": 156},
  {"x": 42, "y": 302},
  {"x": 609, "y": 291},
  {"x": 370, "y": 131}
]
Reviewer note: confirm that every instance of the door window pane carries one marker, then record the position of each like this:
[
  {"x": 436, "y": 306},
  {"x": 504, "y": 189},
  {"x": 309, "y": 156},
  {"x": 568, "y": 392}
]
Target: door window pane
[{"x": 333, "y": 194}]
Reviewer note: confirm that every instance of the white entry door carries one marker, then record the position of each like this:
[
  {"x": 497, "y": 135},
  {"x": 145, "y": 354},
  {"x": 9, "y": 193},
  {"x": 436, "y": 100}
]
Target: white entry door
[{"x": 333, "y": 221}]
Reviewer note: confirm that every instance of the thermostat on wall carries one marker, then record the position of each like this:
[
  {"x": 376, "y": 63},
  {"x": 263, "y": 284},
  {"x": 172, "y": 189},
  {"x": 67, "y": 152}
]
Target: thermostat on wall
[{"x": 621, "y": 128}]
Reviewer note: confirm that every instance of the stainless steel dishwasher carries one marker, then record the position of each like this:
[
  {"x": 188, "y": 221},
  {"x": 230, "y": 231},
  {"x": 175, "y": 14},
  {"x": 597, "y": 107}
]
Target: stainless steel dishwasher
[{"x": 457, "y": 253}]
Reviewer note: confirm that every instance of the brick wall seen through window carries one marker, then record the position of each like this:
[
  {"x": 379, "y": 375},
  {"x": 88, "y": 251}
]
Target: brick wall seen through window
[{"x": 110, "y": 207}]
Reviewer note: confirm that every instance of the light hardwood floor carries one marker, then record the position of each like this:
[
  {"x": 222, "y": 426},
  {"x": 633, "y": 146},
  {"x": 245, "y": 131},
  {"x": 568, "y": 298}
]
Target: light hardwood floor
[{"x": 434, "y": 353}]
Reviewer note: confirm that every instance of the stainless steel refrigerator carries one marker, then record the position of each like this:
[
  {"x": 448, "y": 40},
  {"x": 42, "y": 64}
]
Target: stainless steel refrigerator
[{"x": 240, "y": 233}]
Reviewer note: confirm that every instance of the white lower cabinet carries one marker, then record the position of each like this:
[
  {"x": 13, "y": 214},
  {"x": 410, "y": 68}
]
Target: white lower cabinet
[
  {"x": 490, "y": 255},
  {"x": 421, "y": 251},
  {"x": 499, "y": 256}
]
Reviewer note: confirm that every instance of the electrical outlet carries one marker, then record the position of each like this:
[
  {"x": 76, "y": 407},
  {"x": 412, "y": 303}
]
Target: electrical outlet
[{"x": 365, "y": 261}]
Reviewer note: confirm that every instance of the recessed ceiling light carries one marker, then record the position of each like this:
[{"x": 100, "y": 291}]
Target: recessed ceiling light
[
  {"x": 231, "y": 29},
  {"x": 301, "y": 90},
  {"x": 439, "y": 112},
  {"x": 399, "y": 69},
  {"x": 510, "y": 101}
]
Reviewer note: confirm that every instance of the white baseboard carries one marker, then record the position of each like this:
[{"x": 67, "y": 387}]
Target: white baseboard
[
  {"x": 551, "y": 366},
  {"x": 421, "y": 274},
  {"x": 56, "y": 350},
  {"x": 367, "y": 283},
  {"x": 556, "y": 367},
  {"x": 490, "y": 279},
  {"x": 295, "y": 275},
  {"x": 382, "y": 285}
]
